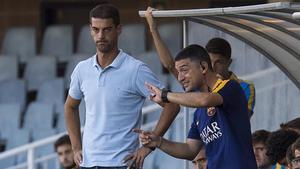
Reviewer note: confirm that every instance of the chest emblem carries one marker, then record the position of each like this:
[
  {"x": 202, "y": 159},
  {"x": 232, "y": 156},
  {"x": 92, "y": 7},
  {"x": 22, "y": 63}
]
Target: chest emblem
[{"x": 211, "y": 111}]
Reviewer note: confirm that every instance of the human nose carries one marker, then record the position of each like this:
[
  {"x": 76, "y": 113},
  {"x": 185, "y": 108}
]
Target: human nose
[
  {"x": 180, "y": 77},
  {"x": 214, "y": 66},
  {"x": 254, "y": 151},
  {"x": 100, "y": 34}
]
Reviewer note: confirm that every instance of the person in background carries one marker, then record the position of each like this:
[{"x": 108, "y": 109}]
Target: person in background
[
  {"x": 200, "y": 161},
  {"x": 277, "y": 146},
  {"x": 219, "y": 51},
  {"x": 292, "y": 125},
  {"x": 259, "y": 140},
  {"x": 293, "y": 155},
  {"x": 63, "y": 148}
]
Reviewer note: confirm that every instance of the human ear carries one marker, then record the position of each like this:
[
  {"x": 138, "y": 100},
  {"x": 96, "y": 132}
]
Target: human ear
[
  {"x": 204, "y": 66},
  {"x": 119, "y": 29},
  {"x": 229, "y": 62}
]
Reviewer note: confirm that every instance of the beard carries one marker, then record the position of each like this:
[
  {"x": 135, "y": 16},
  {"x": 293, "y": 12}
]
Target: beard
[
  {"x": 264, "y": 164},
  {"x": 104, "y": 46},
  {"x": 70, "y": 166}
]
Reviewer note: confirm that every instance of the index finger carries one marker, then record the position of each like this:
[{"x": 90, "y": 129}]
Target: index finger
[
  {"x": 141, "y": 131},
  {"x": 137, "y": 130},
  {"x": 128, "y": 157},
  {"x": 149, "y": 9}
]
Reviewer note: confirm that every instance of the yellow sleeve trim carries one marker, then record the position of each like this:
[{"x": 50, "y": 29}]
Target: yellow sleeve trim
[
  {"x": 219, "y": 85},
  {"x": 278, "y": 166},
  {"x": 251, "y": 97}
]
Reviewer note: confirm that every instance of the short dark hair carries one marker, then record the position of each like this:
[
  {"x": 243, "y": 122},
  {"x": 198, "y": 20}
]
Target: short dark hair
[
  {"x": 194, "y": 53},
  {"x": 106, "y": 11},
  {"x": 278, "y": 143},
  {"x": 294, "y": 124},
  {"x": 289, "y": 154},
  {"x": 65, "y": 139},
  {"x": 260, "y": 136},
  {"x": 219, "y": 46}
]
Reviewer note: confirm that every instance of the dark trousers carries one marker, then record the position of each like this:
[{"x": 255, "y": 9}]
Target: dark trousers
[{"x": 97, "y": 167}]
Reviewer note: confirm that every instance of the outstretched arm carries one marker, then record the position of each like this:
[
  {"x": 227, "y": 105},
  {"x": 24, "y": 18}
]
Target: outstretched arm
[
  {"x": 187, "y": 150},
  {"x": 161, "y": 48},
  {"x": 191, "y": 99}
]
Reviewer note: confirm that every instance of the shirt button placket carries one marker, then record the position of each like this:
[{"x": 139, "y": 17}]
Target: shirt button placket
[{"x": 101, "y": 79}]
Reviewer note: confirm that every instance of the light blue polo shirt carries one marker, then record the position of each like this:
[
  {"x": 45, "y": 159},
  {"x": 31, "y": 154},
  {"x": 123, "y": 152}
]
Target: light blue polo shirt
[{"x": 114, "y": 97}]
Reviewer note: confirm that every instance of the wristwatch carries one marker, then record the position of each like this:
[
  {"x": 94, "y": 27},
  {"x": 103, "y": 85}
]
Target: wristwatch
[{"x": 164, "y": 95}]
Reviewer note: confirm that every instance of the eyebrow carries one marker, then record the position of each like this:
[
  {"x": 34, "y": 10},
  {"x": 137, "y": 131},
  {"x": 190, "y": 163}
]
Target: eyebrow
[
  {"x": 183, "y": 66},
  {"x": 94, "y": 27}
]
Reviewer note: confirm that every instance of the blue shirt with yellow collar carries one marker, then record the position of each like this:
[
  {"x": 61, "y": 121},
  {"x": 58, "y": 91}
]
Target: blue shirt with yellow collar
[
  {"x": 225, "y": 129},
  {"x": 249, "y": 91}
]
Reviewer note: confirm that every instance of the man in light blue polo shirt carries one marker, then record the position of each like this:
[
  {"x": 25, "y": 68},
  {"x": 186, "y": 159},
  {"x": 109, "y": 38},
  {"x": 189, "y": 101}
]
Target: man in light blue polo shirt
[{"x": 112, "y": 84}]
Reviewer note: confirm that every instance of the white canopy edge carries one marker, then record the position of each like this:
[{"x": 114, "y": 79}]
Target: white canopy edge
[
  {"x": 218, "y": 11},
  {"x": 296, "y": 15}
]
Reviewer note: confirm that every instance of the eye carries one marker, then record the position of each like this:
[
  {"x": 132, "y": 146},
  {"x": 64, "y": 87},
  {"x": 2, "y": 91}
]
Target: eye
[
  {"x": 107, "y": 29},
  {"x": 217, "y": 62},
  {"x": 184, "y": 71},
  {"x": 96, "y": 30}
]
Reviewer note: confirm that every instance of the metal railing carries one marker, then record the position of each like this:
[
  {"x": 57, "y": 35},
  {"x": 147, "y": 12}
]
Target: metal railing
[{"x": 31, "y": 147}]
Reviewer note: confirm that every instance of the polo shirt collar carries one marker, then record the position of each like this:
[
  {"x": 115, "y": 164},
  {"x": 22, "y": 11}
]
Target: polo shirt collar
[
  {"x": 118, "y": 60},
  {"x": 115, "y": 64}
]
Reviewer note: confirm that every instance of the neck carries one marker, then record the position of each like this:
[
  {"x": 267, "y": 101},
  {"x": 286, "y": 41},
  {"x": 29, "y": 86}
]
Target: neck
[
  {"x": 105, "y": 59},
  {"x": 211, "y": 79},
  {"x": 204, "y": 88},
  {"x": 227, "y": 75},
  {"x": 73, "y": 166}
]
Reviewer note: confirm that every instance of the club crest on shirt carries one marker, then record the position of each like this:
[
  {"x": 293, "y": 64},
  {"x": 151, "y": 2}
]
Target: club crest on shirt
[{"x": 211, "y": 111}]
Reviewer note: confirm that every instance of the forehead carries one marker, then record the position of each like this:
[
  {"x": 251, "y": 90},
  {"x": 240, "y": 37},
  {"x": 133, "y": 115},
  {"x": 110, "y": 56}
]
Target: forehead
[
  {"x": 102, "y": 22},
  {"x": 259, "y": 144},
  {"x": 183, "y": 62},
  {"x": 64, "y": 147},
  {"x": 216, "y": 56}
]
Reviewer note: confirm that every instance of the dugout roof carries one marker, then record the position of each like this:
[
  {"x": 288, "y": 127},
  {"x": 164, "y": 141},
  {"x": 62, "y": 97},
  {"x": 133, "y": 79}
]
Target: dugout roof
[{"x": 269, "y": 28}]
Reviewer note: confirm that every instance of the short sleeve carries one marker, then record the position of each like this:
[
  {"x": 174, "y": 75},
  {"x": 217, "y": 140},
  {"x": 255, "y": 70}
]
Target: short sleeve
[
  {"x": 144, "y": 75},
  {"x": 232, "y": 95},
  {"x": 75, "y": 91}
]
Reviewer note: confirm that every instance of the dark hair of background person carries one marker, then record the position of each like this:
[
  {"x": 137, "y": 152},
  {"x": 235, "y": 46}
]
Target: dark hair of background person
[
  {"x": 295, "y": 123},
  {"x": 219, "y": 46},
  {"x": 260, "y": 136},
  {"x": 278, "y": 143},
  {"x": 65, "y": 139},
  {"x": 289, "y": 155}
]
